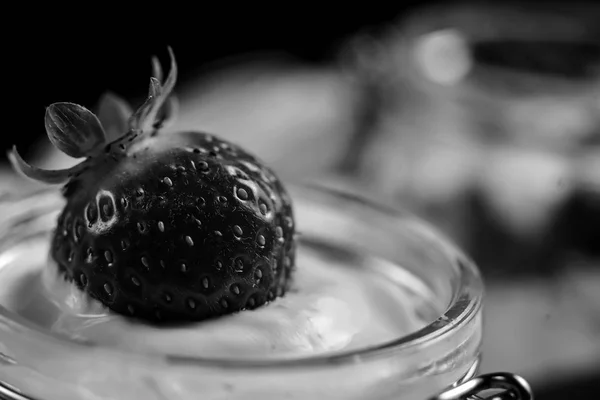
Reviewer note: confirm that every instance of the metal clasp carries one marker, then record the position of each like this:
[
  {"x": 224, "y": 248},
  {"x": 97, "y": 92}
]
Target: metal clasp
[{"x": 497, "y": 386}]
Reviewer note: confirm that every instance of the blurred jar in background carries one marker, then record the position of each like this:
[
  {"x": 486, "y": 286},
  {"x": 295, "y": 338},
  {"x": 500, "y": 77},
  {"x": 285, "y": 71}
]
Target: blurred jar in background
[{"x": 486, "y": 120}]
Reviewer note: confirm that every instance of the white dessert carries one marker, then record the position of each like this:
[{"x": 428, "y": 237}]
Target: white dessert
[{"x": 331, "y": 307}]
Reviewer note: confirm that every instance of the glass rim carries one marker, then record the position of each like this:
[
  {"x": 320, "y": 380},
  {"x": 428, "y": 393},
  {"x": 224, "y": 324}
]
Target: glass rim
[{"x": 456, "y": 314}]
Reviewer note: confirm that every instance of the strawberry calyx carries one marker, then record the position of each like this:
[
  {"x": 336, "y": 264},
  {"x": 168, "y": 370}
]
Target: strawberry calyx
[
  {"x": 148, "y": 116},
  {"x": 79, "y": 133}
]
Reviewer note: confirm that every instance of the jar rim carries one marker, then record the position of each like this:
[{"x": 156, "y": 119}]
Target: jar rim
[{"x": 457, "y": 313}]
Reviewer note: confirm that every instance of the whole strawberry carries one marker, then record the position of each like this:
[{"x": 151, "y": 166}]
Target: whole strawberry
[{"x": 165, "y": 226}]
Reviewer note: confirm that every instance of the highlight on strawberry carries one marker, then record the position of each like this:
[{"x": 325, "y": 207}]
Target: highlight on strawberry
[{"x": 165, "y": 227}]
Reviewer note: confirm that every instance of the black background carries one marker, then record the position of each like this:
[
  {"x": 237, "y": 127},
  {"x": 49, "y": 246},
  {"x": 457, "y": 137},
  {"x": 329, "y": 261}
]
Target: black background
[{"x": 76, "y": 53}]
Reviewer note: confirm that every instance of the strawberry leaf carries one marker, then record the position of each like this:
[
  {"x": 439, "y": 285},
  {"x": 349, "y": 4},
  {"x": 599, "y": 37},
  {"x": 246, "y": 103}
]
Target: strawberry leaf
[
  {"x": 155, "y": 88},
  {"x": 157, "y": 69},
  {"x": 74, "y": 130},
  {"x": 157, "y": 109},
  {"x": 169, "y": 83},
  {"x": 140, "y": 116},
  {"x": 114, "y": 113},
  {"x": 42, "y": 175}
]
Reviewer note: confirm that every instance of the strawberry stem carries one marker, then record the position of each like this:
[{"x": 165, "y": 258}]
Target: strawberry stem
[{"x": 156, "y": 105}]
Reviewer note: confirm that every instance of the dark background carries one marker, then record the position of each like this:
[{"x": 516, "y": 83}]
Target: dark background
[{"x": 75, "y": 54}]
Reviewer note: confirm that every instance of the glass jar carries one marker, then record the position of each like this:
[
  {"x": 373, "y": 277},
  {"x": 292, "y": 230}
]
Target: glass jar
[{"x": 38, "y": 364}]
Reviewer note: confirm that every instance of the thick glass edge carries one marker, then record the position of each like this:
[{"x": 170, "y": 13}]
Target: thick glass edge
[{"x": 458, "y": 314}]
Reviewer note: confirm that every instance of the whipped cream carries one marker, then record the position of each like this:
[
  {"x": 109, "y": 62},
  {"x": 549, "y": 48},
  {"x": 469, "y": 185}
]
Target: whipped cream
[{"x": 331, "y": 307}]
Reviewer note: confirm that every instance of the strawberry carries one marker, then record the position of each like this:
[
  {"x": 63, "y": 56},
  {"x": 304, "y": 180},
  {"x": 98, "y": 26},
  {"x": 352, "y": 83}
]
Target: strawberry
[{"x": 162, "y": 226}]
